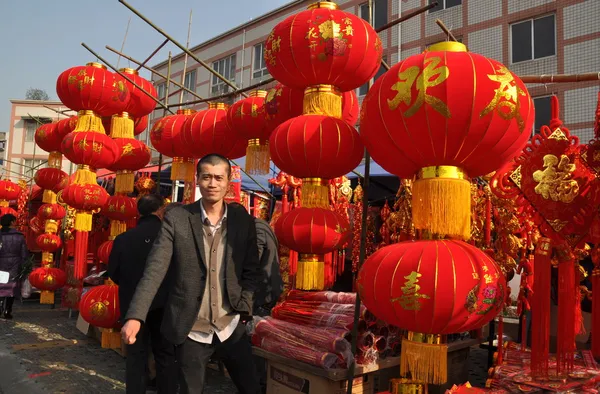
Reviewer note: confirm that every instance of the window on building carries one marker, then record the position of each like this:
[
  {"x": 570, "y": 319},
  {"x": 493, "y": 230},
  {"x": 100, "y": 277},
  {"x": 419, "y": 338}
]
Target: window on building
[
  {"x": 380, "y": 12},
  {"x": 365, "y": 88},
  {"x": 160, "y": 90},
  {"x": 190, "y": 80},
  {"x": 444, "y": 4},
  {"x": 542, "y": 113},
  {"x": 225, "y": 67},
  {"x": 533, "y": 39},
  {"x": 30, "y": 127},
  {"x": 259, "y": 68},
  {"x": 30, "y": 166}
]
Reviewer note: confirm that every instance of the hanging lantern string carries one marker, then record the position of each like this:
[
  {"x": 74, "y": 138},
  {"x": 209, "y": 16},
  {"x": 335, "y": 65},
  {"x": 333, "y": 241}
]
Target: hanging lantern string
[{"x": 126, "y": 78}]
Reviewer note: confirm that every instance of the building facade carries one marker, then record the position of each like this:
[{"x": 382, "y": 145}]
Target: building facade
[
  {"x": 22, "y": 156},
  {"x": 532, "y": 37}
]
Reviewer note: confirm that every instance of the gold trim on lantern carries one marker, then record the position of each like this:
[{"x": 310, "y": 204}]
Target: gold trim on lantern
[
  {"x": 47, "y": 297},
  {"x": 127, "y": 70},
  {"x": 425, "y": 357},
  {"x": 258, "y": 93},
  {"x": 447, "y": 46},
  {"x": 310, "y": 274},
  {"x": 322, "y": 100},
  {"x": 186, "y": 111},
  {"x": 55, "y": 160},
  {"x": 88, "y": 120},
  {"x": 85, "y": 175},
  {"x": 51, "y": 226},
  {"x": 407, "y": 386},
  {"x": 4, "y": 203},
  {"x": 96, "y": 64},
  {"x": 124, "y": 182},
  {"x": 315, "y": 193},
  {"x": 182, "y": 169},
  {"x": 217, "y": 106},
  {"x": 449, "y": 172},
  {"x": 323, "y": 4},
  {"x": 49, "y": 197},
  {"x": 431, "y": 339},
  {"x": 122, "y": 126}
]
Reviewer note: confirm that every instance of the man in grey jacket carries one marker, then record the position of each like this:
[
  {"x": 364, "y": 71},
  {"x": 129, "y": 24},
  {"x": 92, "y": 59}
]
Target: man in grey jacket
[{"x": 211, "y": 249}]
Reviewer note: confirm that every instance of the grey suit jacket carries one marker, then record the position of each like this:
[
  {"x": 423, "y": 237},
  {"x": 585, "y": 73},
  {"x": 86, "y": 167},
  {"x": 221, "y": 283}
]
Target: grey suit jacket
[
  {"x": 179, "y": 248},
  {"x": 272, "y": 284}
]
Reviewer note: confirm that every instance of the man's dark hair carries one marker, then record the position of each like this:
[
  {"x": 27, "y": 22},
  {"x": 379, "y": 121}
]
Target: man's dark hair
[
  {"x": 213, "y": 159},
  {"x": 7, "y": 220},
  {"x": 149, "y": 204}
]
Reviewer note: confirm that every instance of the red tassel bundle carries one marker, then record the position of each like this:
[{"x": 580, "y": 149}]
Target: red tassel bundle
[
  {"x": 568, "y": 287},
  {"x": 81, "y": 248},
  {"x": 596, "y": 312},
  {"x": 540, "y": 311}
]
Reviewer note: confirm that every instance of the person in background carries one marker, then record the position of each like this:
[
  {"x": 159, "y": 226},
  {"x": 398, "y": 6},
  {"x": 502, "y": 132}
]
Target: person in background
[
  {"x": 126, "y": 266},
  {"x": 270, "y": 290},
  {"x": 13, "y": 254},
  {"x": 212, "y": 250}
]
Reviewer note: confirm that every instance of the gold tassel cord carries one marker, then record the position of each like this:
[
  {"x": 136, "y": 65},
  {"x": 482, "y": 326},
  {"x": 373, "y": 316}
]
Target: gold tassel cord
[
  {"x": 258, "y": 157},
  {"x": 441, "y": 202},
  {"x": 55, "y": 160},
  {"x": 89, "y": 121},
  {"x": 48, "y": 197},
  {"x": 51, "y": 226},
  {"x": 315, "y": 193},
  {"x": 124, "y": 182},
  {"x": 83, "y": 221},
  {"x": 117, "y": 227},
  {"x": 47, "y": 297},
  {"x": 121, "y": 126},
  {"x": 85, "y": 176},
  {"x": 47, "y": 258},
  {"x": 182, "y": 169},
  {"x": 311, "y": 273},
  {"x": 322, "y": 100},
  {"x": 425, "y": 362}
]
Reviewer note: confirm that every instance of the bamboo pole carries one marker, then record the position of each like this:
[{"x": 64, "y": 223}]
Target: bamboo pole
[
  {"x": 124, "y": 40},
  {"x": 158, "y": 29},
  {"x": 185, "y": 59},
  {"x": 154, "y": 72},
  {"x": 125, "y": 77},
  {"x": 560, "y": 78},
  {"x": 142, "y": 64},
  {"x": 445, "y": 29},
  {"x": 165, "y": 109},
  {"x": 406, "y": 17}
]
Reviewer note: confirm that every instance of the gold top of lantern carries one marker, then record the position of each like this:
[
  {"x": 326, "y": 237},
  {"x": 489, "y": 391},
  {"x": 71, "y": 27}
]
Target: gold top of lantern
[
  {"x": 449, "y": 172},
  {"x": 323, "y": 89},
  {"x": 323, "y": 4},
  {"x": 431, "y": 339},
  {"x": 447, "y": 46},
  {"x": 84, "y": 112},
  {"x": 97, "y": 65},
  {"x": 185, "y": 111},
  {"x": 124, "y": 115},
  {"x": 258, "y": 93},
  {"x": 217, "y": 106},
  {"x": 127, "y": 70}
]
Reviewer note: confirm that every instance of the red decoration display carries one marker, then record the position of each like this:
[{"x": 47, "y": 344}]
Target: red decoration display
[
  {"x": 323, "y": 45},
  {"x": 93, "y": 149},
  {"x": 167, "y": 138},
  {"x": 53, "y": 179},
  {"x": 119, "y": 209},
  {"x": 48, "y": 278},
  {"x": 100, "y": 307},
  {"x": 139, "y": 104},
  {"x": 85, "y": 197},
  {"x": 134, "y": 154},
  {"x": 49, "y": 242},
  {"x": 65, "y": 126},
  {"x": 47, "y": 137},
  {"x": 104, "y": 250},
  {"x": 140, "y": 125},
  {"x": 51, "y": 212}
]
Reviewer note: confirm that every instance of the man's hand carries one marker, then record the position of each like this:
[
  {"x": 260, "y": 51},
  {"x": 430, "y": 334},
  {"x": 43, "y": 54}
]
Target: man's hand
[{"x": 130, "y": 330}]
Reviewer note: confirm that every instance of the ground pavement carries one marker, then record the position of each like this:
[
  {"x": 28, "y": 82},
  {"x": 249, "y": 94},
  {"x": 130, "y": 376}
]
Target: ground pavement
[{"x": 41, "y": 351}]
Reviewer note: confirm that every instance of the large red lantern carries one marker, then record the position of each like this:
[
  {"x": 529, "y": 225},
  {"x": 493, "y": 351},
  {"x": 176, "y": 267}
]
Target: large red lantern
[
  {"x": 120, "y": 209},
  {"x": 323, "y": 45},
  {"x": 51, "y": 180},
  {"x": 65, "y": 126},
  {"x": 134, "y": 154},
  {"x": 140, "y": 104},
  {"x": 208, "y": 132},
  {"x": 140, "y": 125},
  {"x": 247, "y": 118},
  {"x": 312, "y": 232},
  {"x": 104, "y": 250},
  {"x": 51, "y": 212},
  {"x": 47, "y": 137},
  {"x": 316, "y": 148},
  {"x": 431, "y": 287},
  {"x": 166, "y": 139},
  {"x": 93, "y": 91},
  {"x": 49, "y": 243},
  {"x": 100, "y": 307},
  {"x": 91, "y": 150},
  {"x": 445, "y": 115},
  {"x": 9, "y": 191},
  {"x": 47, "y": 279}
]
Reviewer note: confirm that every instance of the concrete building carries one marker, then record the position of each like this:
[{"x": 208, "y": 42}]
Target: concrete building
[
  {"x": 529, "y": 36},
  {"x": 23, "y": 156}
]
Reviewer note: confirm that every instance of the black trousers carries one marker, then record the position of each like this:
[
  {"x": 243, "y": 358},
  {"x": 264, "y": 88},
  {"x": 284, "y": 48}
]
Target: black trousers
[
  {"x": 236, "y": 353},
  {"x": 164, "y": 355}
]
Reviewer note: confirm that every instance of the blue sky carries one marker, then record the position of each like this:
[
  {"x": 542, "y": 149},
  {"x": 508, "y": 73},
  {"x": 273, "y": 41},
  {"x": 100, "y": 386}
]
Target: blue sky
[{"x": 42, "y": 38}]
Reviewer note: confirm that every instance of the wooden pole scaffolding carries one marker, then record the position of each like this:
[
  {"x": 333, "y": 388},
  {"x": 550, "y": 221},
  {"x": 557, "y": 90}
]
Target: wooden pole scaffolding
[
  {"x": 560, "y": 78},
  {"x": 165, "y": 109},
  {"x": 156, "y": 73},
  {"x": 184, "y": 49},
  {"x": 142, "y": 64},
  {"x": 442, "y": 26}
]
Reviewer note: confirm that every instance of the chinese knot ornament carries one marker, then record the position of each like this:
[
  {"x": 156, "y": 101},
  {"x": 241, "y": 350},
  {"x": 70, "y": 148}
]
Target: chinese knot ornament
[
  {"x": 100, "y": 307},
  {"x": 165, "y": 137},
  {"x": 312, "y": 232},
  {"x": 247, "y": 118},
  {"x": 431, "y": 288},
  {"x": 444, "y": 116}
]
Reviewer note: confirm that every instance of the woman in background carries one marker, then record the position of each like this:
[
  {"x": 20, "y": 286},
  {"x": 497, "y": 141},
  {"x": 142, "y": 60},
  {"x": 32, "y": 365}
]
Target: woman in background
[{"x": 13, "y": 254}]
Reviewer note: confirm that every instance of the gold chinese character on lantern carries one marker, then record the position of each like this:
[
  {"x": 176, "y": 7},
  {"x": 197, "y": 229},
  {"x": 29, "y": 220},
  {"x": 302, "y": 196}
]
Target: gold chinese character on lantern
[
  {"x": 410, "y": 298},
  {"x": 432, "y": 75},
  {"x": 97, "y": 147},
  {"x": 83, "y": 144},
  {"x": 254, "y": 111},
  {"x": 127, "y": 150},
  {"x": 506, "y": 101},
  {"x": 488, "y": 278},
  {"x": 554, "y": 181}
]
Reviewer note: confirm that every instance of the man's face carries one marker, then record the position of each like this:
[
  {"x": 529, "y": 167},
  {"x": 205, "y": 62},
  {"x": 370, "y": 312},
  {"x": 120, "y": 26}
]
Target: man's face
[{"x": 213, "y": 182}]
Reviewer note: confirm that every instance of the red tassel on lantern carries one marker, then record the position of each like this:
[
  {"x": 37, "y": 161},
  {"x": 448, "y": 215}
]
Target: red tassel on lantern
[
  {"x": 81, "y": 247},
  {"x": 596, "y": 312},
  {"x": 567, "y": 311},
  {"x": 540, "y": 311}
]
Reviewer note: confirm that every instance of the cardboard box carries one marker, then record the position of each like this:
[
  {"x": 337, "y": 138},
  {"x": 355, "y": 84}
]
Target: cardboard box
[{"x": 282, "y": 379}]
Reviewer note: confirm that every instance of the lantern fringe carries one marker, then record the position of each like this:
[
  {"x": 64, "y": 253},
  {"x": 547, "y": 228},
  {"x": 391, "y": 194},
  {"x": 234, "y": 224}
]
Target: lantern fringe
[
  {"x": 51, "y": 226},
  {"x": 124, "y": 182},
  {"x": 121, "y": 127},
  {"x": 258, "y": 158},
  {"x": 47, "y": 297},
  {"x": 596, "y": 313},
  {"x": 442, "y": 206},
  {"x": 80, "y": 260},
  {"x": 111, "y": 339},
  {"x": 540, "y": 309},
  {"x": 318, "y": 102},
  {"x": 89, "y": 121},
  {"x": 425, "y": 362},
  {"x": 83, "y": 221},
  {"x": 567, "y": 316},
  {"x": 310, "y": 275},
  {"x": 49, "y": 197},
  {"x": 117, "y": 227},
  {"x": 315, "y": 195},
  {"x": 47, "y": 258},
  {"x": 85, "y": 176},
  {"x": 182, "y": 170},
  {"x": 55, "y": 159}
]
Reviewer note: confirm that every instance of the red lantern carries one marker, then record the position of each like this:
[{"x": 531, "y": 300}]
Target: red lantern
[
  {"x": 208, "y": 132},
  {"x": 66, "y": 126},
  {"x": 350, "y": 110},
  {"x": 445, "y": 115},
  {"x": 247, "y": 118},
  {"x": 312, "y": 232},
  {"x": 8, "y": 211},
  {"x": 134, "y": 154},
  {"x": 323, "y": 45},
  {"x": 34, "y": 225},
  {"x": 85, "y": 198},
  {"x": 314, "y": 147},
  {"x": 431, "y": 287},
  {"x": 47, "y": 279},
  {"x": 49, "y": 243},
  {"x": 100, "y": 307},
  {"x": 104, "y": 250},
  {"x": 140, "y": 125},
  {"x": 93, "y": 149},
  {"x": 94, "y": 91},
  {"x": 47, "y": 137},
  {"x": 119, "y": 209},
  {"x": 9, "y": 191},
  {"x": 238, "y": 150},
  {"x": 51, "y": 212},
  {"x": 166, "y": 139},
  {"x": 140, "y": 104},
  {"x": 53, "y": 179}
]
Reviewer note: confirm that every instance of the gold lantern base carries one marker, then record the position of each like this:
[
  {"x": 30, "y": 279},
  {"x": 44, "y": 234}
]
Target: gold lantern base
[
  {"x": 85, "y": 175},
  {"x": 258, "y": 157},
  {"x": 315, "y": 193},
  {"x": 121, "y": 126},
  {"x": 441, "y": 202},
  {"x": 117, "y": 227},
  {"x": 47, "y": 297},
  {"x": 48, "y": 197},
  {"x": 311, "y": 273},
  {"x": 111, "y": 339},
  {"x": 89, "y": 121},
  {"x": 124, "y": 182},
  {"x": 425, "y": 357},
  {"x": 407, "y": 386},
  {"x": 322, "y": 100}
]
